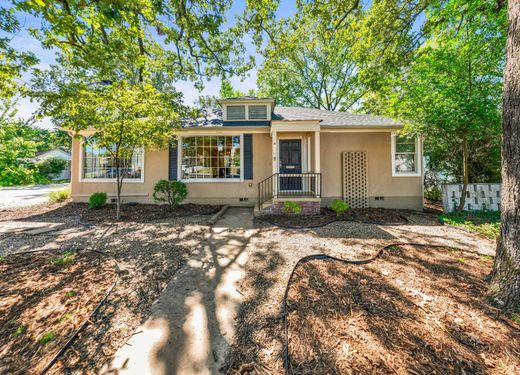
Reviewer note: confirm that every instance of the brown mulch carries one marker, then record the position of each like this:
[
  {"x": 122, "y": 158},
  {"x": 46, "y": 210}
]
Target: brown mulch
[
  {"x": 327, "y": 216},
  {"x": 415, "y": 310},
  {"x": 43, "y": 301},
  {"x": 433, "y": 207},
  {"x": 139, "y": 213}
]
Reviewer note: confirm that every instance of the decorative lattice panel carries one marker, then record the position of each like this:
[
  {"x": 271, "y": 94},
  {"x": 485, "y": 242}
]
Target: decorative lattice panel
[{"x": 355, "y": 179}]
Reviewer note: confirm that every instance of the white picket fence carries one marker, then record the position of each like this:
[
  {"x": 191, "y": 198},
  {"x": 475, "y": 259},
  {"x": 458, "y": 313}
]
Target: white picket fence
[{"x": 479, "y": 197}]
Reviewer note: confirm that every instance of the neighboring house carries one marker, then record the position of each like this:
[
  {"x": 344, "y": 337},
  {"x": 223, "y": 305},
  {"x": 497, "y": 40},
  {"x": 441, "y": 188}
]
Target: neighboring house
[
  {"x": 59, "y": 153},
  {"x": 254, "y": 152}
]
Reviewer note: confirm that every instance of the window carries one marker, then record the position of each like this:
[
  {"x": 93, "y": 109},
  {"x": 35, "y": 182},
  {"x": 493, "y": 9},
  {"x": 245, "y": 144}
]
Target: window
[
  {"x": 99, "y": 164},
  {"x": 257, "y": 112},
  {"x": 236, "y": 112},
  {"x": 405, "y": 156},
  {"x": 211, "y": 157}
]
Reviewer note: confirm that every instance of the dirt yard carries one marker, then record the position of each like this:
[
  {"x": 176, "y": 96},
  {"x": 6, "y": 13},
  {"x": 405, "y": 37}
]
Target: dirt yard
[{"x": 149, "y": 254}]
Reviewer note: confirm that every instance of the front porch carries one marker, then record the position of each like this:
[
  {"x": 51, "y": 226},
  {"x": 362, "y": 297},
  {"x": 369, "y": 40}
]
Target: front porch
[{"x": 296, "y": 174}]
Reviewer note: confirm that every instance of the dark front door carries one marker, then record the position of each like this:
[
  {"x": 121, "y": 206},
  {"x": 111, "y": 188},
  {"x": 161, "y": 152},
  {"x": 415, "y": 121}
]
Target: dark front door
[{"x": 290, "y": 162}]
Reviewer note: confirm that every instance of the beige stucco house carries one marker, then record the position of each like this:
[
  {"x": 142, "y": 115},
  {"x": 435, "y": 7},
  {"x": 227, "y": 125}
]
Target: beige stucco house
[{"x": 253, "y": 152}]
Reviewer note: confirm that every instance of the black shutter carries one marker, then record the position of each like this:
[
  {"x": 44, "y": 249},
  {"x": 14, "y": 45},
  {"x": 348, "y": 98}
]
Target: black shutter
[
  {"x": 248, "y": 156},
  {"x": 172, "y": 160}
]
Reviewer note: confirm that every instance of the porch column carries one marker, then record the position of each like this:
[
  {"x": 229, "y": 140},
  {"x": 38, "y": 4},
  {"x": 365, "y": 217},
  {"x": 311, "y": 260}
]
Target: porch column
[
  {"x": 274, "y": 137},
  {"x": 317, "y": 152}
]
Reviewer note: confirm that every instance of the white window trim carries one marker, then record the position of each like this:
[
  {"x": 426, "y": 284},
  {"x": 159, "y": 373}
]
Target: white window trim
[
  {"x": 204, "y": 180},
  {"x": 91, "y": 180},
  {"x": 418, "y": 158}
]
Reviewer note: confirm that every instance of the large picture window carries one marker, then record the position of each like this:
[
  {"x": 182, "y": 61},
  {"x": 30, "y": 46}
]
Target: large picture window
[
  {"x": 405, "y": 156},
  {"x": 99, "y": 164},
  {"x": 211, "y": 157}
]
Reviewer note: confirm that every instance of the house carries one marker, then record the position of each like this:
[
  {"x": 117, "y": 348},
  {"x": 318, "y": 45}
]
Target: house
[
  {"x": 253, "y": 152},
  {"x": 58, "y": 153}
]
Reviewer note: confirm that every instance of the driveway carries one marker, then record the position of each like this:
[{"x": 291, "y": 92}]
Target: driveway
[{"x": 20, "y": 196}]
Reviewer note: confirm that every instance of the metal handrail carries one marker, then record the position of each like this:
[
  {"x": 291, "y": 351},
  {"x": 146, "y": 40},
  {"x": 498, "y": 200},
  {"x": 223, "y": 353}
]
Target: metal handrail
[{"x": 290, "y": 185}]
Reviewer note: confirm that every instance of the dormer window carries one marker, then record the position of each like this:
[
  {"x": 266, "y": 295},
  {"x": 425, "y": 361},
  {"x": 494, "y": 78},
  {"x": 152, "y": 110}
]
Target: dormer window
[
  {"x": 236, "y": 112},
  {"x": 257, "y": 112}
]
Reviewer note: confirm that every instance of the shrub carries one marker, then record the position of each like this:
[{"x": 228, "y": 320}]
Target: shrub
[
  {"x": 433, "y": 194},
  {"x": 171, "y": 192},
  {"x": 292, "y": 207},
  {"x": 51, "y": 167},
  {"x": 58, "y": 196},
  {"x": 97, "y": 200},
  {"x": 339, "y": 206}
]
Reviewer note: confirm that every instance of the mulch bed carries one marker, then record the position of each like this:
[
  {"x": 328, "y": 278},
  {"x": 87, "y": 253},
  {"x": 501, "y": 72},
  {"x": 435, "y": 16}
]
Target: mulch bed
[
  {"x": 327, "y": 216},
  {"x": 129, "y": 213},
  {"x": 44, "y": 298},
  {"x": 433, "y": 207},
  {"x": 414, "y": 310}
]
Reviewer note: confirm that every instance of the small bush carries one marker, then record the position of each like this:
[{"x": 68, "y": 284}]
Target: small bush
[
  {"x": 171, "y": 192},
  {"x": 339, "y": 206},
  {"x": 51, "y": 167},
  {"x": 71, "y": 294},
  {"x": 292, "y": 207},
  {"x": 97, "y": 200},
  {"x": 433, "y": 194},
  {"x": 58, "y": 196}
]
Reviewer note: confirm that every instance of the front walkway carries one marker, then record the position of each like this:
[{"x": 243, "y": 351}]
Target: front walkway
[{"x": 193, "y": 323}]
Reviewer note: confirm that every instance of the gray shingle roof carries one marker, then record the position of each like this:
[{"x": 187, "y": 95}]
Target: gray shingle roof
[
  {"x": 332, "y": 118},
  {"x": 328, "y": 119}
]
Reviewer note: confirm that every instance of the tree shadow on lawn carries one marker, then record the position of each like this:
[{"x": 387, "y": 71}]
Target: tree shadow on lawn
[{"x": 410, "y": 311}]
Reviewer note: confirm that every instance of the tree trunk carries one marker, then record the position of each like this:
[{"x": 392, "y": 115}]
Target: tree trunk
[
  {"x": 465, "y": 174},
  {"x": 119, "y": 181},
  {"x": 505, "y": 278}
]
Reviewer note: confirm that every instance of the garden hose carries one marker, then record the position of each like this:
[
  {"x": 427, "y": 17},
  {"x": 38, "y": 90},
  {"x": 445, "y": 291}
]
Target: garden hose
[
  {"x": 83, "y": 325},
  {"x": 330, "y": 257}
]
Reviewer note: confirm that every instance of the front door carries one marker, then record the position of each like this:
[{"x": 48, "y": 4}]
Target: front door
[{"x": 290, "y": 162}]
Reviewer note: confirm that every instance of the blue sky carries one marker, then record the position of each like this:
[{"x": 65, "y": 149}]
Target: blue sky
[{"x": 25, "y": 42}]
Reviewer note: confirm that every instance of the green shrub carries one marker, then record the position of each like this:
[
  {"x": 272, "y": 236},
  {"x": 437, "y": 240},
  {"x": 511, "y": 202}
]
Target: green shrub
[
  {"x": 97, "y": 200},
  {"x": 339, "y": 206},
  {"x": 171, "y": 192},
  {"x": 58, "y": 196},
  {"x": 51, "y": 167},
  {"x": 433, "y": 194},
  {"x": 292, "y": 207}
]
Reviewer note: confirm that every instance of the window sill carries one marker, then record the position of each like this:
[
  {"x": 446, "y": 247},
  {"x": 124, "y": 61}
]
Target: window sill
[
  {"x": 205, "y": 180},
  {"x": 91, "y": 180},
  {"x": 414, "y": 174}
]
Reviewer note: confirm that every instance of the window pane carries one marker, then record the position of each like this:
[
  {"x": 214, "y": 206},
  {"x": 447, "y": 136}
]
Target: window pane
[
  {"x": 211, "y": 157},
  {"x": 99, "y": 164},
  {"x": 258, "y": 112},
  {"x": 236, "y": 112},
  {"x": 405, "y": 163},
  {"x": 405, "y": 147}
]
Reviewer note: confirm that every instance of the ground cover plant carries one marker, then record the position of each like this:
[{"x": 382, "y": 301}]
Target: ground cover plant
[
  {"x": 59, "y": 196},
  {"x": 45, "y": 296},
  {"x": 486, "y": 223}
]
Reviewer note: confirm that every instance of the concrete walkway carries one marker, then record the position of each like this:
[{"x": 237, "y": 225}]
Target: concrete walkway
[
  {"x": 192, "y": 324},
  {"x": 20, "y": 196}
]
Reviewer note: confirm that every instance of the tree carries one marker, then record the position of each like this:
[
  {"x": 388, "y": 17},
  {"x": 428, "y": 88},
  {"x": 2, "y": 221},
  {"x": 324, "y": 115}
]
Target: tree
[
  {"x": 452, "y": 91},
  {"x": 309, "y": 59},
  {"x": 120, "y": 117},
  {"x": 505, "y": 278},
  {"x": 12, "y": 61}
]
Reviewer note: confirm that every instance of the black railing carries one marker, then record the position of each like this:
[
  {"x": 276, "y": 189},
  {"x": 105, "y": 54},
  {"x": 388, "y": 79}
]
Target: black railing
[{"x": 289, "y": 185}]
